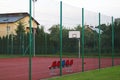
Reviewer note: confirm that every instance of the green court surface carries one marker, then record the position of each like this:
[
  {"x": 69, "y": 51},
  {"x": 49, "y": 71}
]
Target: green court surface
[{"x": 112, "y": 73}]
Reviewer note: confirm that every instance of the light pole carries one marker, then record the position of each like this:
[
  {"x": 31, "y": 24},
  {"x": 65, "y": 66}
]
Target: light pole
[
  {"x": 34, "y": 7},
  {"x": 79, "y": 47},
  {"x": 33, "y": 28},
  {"x": 11, "y": 43},
  {"x": 30, "y": 40},
  {"x": 7, "y": 28},
  {"x": 34, "y": 31}
]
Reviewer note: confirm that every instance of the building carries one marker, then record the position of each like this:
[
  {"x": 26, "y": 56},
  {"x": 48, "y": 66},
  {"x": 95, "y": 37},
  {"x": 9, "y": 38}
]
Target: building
[
  {"x": 117, "y": 20},
  {"x": 9, "y": 22}
]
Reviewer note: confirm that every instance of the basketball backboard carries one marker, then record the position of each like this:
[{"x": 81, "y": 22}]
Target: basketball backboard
[{"x": 74, "y": 34}]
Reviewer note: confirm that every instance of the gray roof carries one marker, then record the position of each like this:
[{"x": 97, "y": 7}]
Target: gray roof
[{"x": 13, "y": 17}]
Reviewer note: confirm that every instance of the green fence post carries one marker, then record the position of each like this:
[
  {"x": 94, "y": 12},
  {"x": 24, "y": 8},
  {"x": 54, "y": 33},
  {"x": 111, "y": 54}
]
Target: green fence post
[
  {"x": 82, "y": 39},
  {"x": 23, "y": 43},
  {"x": 60, "y": 38},
  {"x": 99, "y": 45},
  {"x": 45, "y": 43},
  {"x": 112, "y": 42},
  {"x": 20, "y": 46},
  {"x": 12, "y": 44},
  {"x": 30, "y": 40},
  {"x": 7, "y": 44}
]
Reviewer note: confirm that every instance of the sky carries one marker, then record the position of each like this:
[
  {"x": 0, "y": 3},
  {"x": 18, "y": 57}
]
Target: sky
[
  {"x": 108, "y": 7},
  {"x": 47, "y": 11}
]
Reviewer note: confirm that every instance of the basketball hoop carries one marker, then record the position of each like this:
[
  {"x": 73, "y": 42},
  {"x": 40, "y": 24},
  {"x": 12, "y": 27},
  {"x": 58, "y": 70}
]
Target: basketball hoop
[{"x": 74, "y": 34}]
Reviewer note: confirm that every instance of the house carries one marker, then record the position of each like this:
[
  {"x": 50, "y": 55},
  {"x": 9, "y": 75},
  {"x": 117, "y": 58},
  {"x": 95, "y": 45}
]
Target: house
[
  {"x": 117, "y": 20},
  {"x": 9, "y": 22}
]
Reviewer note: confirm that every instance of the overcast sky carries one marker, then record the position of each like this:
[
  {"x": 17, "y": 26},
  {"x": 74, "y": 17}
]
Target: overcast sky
[
  {"x": 47, "y": 11},
  {"x": 108, "y": 7}
]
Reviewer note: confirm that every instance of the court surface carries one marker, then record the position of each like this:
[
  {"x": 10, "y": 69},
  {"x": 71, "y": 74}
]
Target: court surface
[{"x": 18, "y": 68}]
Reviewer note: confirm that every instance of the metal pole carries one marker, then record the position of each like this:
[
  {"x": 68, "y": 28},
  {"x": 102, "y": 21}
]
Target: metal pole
[
  {"x": 79, "y": 47},
  {"x": 12, "y": 43},
  {"x": 46, "y": 43},
  {"x": 60, "y": 38},
  {"x": 20, "y": 44},
  {"x": 82, "y": 39},
  {"x": 23, "y": 43},
  {"x": 112, "y": 42},
  {"x": 7, "y": 28},
  {"x": 33, "y": 28},
  {"x": 99, "y": 45},
  {"x": 7, "y": 36},
  {"x": 34, "y": 7},
  {"x": 7, "y": 40},
  {"x": 30, "y": 40},
  {"x": 34, "y": 42}
]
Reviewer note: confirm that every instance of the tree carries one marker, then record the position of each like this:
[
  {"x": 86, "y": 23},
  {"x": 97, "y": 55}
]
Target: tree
[
  {"x": 54, "y": 37},
  {"x": 106, "y": 37},
  {"x": 116, "y": 36},
  {"x": 20, "y": 31},
  {"x": 40, "y": 40}
]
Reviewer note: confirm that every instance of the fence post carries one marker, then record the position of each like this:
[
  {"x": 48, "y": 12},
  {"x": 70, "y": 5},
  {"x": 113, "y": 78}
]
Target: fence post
[
  {"x": 60, "y": 38},
  {"x": 30, "y": 40},
  {"x": 112, "y": 41},
  {"x": 99, "y": 45},
  {"x": 82, "y": 39}
]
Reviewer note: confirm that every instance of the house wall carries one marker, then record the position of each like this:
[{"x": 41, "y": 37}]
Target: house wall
[
  {"x": 13, "y": 26},
  {"x": 4, "y": 31}
]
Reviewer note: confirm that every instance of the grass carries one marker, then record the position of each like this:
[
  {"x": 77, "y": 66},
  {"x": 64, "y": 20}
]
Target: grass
[
  {"x": 68, "y": 55},
  {"x": 11, "y": 56},
  {"x": 112, "y": 73}
]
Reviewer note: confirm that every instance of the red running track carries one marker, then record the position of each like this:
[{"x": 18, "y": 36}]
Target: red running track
[{"x": 18, "y": 68}]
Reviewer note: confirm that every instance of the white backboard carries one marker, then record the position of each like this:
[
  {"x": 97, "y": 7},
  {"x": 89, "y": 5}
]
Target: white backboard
[{"x": 74, "y": 34}]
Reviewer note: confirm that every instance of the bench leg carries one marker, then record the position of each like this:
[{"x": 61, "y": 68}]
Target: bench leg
[
  {"x": 69, "y": 69},
  {"x": 52, "y": 71}
]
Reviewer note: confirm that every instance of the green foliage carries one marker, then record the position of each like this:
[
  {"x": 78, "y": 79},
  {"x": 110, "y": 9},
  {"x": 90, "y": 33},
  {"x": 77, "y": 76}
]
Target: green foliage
[
  {"x": 106, "y": 37},
  {"x": 48, "y": 43},
  {"x": 54, "y": 33},
  {"x": 40, "y": 40},
  {"x": 54, "y": 37},
  {"x": 19, "y": 38},
  {"x": 20, "y": 29},
  {"x": 117, "y": 33}
]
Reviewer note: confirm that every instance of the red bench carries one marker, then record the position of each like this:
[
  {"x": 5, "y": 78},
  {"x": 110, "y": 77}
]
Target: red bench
[
  {"x": 52, "y": 67},
  {"x": 68, "y": 64},
  {"x": 56, "y": 64}
]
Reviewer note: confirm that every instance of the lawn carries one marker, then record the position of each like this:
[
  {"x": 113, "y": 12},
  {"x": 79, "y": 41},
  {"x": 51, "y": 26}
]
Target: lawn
[
  {"x": 112, "y": 73},
  {"x": 11, "y": 56}
]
